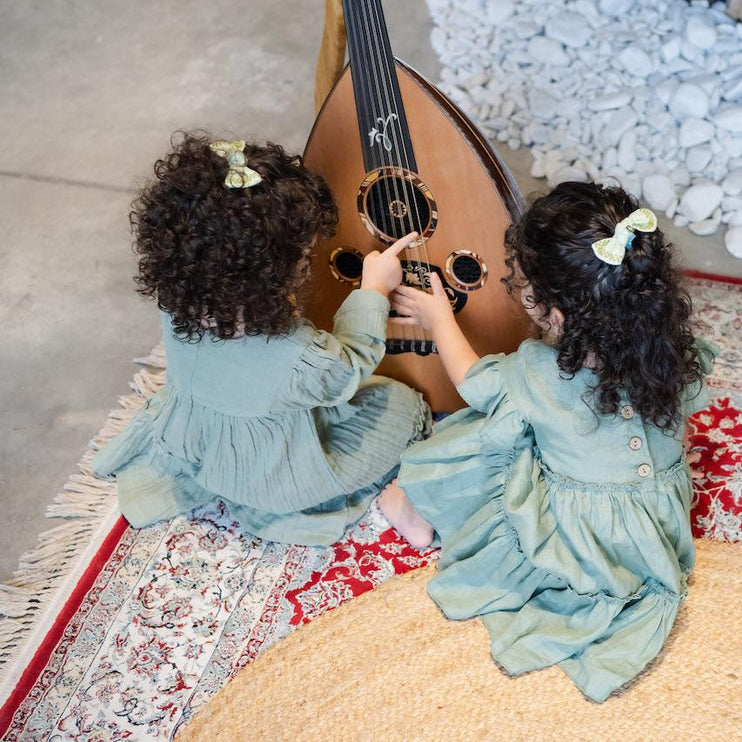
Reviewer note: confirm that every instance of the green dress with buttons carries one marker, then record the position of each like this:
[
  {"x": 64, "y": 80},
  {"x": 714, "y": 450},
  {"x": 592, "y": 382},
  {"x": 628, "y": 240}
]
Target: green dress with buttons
[
  {"x": 565, "y": 531},
  {"x": 292, "y": 432}
]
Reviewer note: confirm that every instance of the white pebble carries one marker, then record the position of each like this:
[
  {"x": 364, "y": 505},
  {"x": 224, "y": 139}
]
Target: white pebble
[
  {"x": 732, "y": 184},
  {"x": 615, "y": 8},
  {"x": 537, "y": 168},
  {"x": 635, "y": 61},
  {"x": 658, "y": 191},
  {"x": 568, "y": 173},
  {"x": 698, "y": 158},
  {"x": 542, "y": 105},
  {"x": 661, "y": 121},
  {"x": 548, "y": 51},
  {"x": 618, "y": 123},
  {"x": 707, "y": 226},
  {"x": 569, "y": 28},
  {"x": 627, "y": 151},
  {"x": 733, "y": 241},
  {"x": 666, "y": 90},
  {"x": 701, "y": 32},
  {"x": 730, "y": 118},
  {"x": 680, "y": 176},
  {"x": 700, "y": 201},
  {"x": 732, "y": 91},
  {"x": 611, "y": 101},
  {"x": 670, "y": 50},
  {"x": 695, "y": 131},
  {"x": 498, "y": 11},
  {"x": 689, "y": 100}
]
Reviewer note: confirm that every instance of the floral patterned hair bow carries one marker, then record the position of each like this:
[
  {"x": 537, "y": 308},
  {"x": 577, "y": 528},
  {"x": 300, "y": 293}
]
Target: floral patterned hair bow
[
  {"x": 238, "y": 175},
  {"x": 613, "y": 249}
]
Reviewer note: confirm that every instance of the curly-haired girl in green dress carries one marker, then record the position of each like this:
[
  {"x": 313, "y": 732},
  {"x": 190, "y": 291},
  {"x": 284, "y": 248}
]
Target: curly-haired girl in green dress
[
  {"x": 561, "y": 496},
  {"x": 283, "y": 422}
]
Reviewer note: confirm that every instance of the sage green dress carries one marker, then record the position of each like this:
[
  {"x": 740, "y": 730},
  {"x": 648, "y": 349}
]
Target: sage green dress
[
  {"x": 565, "y": 531},
  {"x": 292, "y": 432}
]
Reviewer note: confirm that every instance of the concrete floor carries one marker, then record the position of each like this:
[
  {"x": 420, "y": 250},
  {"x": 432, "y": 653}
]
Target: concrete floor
[{"x": 89, "y": 95}]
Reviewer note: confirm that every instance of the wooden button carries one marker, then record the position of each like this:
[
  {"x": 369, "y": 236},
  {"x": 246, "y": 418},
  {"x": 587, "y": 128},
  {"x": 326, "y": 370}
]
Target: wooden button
[
  {"x": 644, "y": 470},
  {"x": 627, "y": 412},
  {"x": 635, "y": 443}
]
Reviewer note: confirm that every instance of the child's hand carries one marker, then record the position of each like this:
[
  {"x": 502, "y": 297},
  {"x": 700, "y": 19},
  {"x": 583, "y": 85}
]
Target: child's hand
[
  {"x": 421, "y": 308},
  {"x": 382, "y": 271}
]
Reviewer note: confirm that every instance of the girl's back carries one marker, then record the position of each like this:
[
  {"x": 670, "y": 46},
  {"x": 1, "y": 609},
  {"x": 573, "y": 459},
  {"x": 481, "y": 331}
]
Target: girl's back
[
  {"x": 283, "y": 422},
  {"x": 576, "y": 441},
  {"x": 561, "y": 495}
]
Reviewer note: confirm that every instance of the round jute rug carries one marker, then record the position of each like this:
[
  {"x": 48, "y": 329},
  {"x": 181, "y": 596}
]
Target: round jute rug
[{"x": 389, "y": 666}]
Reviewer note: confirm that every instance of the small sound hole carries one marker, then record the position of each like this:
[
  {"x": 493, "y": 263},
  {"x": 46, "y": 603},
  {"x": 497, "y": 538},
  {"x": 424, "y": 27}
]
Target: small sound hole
[
  {"x": 346, "y": 265},
  {"x": 466, "y": 270}
]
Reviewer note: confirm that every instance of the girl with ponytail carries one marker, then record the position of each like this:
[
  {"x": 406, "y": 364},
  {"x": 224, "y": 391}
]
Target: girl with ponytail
[{"x": 560, "y": 497}]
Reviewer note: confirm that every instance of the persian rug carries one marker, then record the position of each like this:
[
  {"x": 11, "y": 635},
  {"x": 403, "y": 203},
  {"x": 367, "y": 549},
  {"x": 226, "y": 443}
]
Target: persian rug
[{"x": 112, "y": 633}]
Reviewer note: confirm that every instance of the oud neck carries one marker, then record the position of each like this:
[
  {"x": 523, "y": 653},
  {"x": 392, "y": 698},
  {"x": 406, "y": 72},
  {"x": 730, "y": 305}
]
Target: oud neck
[{"x": 385, "y": 137}]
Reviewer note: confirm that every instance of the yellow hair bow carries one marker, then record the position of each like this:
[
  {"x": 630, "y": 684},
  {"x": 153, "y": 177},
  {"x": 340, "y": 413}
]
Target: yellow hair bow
[
  {"x": 238, "y": 175},
  {"x": 613, "y": 249}
]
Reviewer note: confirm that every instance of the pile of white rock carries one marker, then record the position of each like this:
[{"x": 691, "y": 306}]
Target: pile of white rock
[{"x": 645, "y": 92}]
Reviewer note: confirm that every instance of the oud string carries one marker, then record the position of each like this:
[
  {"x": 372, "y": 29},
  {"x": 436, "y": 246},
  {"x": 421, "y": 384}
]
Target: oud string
[
  {"x": 365, "y": 79},
  {"x": 395, "y": 186},
  {"x": 390, "y": 103},
  {"x": 361, "y": 76},
  {"x": 388, "y": 71},
  {"x": 396, "y": 228}
]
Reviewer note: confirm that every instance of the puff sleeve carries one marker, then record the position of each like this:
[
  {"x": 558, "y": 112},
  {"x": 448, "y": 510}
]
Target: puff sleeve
[{"x": 333, "y": 365}]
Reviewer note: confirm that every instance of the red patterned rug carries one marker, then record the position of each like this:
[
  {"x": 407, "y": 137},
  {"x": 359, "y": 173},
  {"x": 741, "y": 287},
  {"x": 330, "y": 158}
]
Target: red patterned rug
[{"x": 112, "y": 633}]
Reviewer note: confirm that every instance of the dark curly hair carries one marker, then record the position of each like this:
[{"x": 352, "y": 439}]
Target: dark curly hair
[
  {"x": 632, "y": 320},
  {"x": 231, "y": 257}
]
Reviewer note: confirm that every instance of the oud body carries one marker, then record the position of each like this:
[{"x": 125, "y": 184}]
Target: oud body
[{"x": 406, "y": 158}]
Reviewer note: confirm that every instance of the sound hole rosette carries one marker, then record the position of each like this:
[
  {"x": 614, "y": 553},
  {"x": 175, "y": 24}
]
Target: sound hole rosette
[
  {"x": 380, "y": 205},
  {"x": 346, "y": 264},
  {"x": 465, "y": 270}
]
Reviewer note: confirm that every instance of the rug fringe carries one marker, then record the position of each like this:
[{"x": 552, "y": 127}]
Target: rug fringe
[{"x": 84, "y": 501}]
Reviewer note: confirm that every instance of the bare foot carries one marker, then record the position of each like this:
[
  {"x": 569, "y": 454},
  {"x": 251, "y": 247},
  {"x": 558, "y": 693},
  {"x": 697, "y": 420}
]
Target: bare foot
[{"x": 399, "y": 512}]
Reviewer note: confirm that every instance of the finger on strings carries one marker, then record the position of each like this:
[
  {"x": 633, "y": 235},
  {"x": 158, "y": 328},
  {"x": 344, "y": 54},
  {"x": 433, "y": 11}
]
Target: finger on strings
[
  {"x": 435, "y": 283},
  {"x": 407, "y": 306},
  {"x": 406, "y": 298},
  {"x": 407, "y": 291},
  {"x": 402, "y": 243}
]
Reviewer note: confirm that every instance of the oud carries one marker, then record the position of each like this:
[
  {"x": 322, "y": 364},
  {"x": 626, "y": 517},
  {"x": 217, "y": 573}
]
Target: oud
[{"x": 401, "y": 157}]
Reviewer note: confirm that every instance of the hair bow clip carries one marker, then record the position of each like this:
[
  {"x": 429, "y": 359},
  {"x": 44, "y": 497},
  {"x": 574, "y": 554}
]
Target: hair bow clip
[
  {"x": 238, "y": 174},
  {"x": 613, "y": 249}
]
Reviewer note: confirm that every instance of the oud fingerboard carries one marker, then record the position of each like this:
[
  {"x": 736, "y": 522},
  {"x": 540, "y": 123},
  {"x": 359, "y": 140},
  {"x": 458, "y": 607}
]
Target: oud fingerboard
[{"x": 385, "y": 137}]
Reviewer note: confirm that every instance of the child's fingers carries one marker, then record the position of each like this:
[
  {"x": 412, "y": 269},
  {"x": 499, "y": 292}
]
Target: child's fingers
[
  {"x": 436, "y": 285},
  {"x": 407, "y": 291},
  {"x": 404, "y": 305},
  {"x": 402, "y": 243}
]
